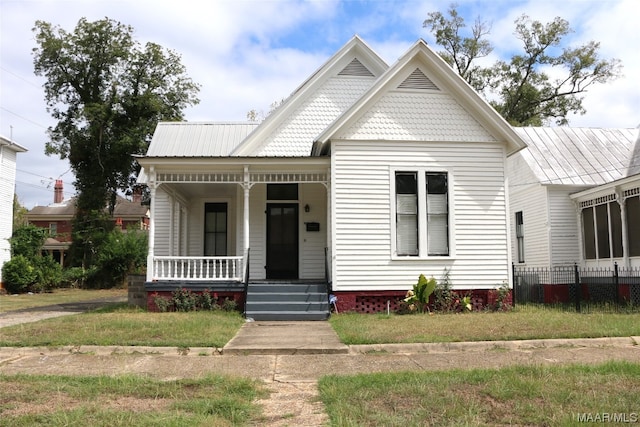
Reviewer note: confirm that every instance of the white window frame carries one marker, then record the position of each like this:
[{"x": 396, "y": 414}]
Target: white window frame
[
  {"x": 422, "y": 213},
  {"x": 520, "y": 236}
]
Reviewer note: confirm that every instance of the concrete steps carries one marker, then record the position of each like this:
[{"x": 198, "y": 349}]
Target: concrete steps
[{"x": 287, "y": 301}]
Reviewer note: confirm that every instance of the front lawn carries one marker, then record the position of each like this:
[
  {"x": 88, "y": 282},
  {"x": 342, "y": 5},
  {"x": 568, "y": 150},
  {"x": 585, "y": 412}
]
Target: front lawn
[
  {"x": 125, "y": 326},
  {"x": 521, "y": 395},
  {"x": 127, "y": 400},
  {"x": 490, "y": 326}
]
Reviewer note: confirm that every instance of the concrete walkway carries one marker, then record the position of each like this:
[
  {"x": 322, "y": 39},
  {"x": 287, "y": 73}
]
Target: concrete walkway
[
  {"x": 294, "y": 337},
  {"x": 34, "y": 314}
]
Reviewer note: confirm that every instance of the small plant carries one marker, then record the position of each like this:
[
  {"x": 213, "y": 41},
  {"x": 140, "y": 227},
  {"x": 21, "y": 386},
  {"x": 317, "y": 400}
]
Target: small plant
[
  {"x": 444, "y": 298},
  {"x": 503, "y": 298},
  {"x": 184, "y": 300},
  {"x": 229, "y": 305},
  {"x": 164, "y": 304},
  {"x": 206, "y": 301},
  {"x": 417, "y": 299}
]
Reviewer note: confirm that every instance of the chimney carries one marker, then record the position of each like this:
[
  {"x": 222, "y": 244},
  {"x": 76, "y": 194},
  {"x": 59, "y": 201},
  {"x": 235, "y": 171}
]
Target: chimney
[
  {"x": 137, "y": 195},
  {"x": 58, "y": 196}
]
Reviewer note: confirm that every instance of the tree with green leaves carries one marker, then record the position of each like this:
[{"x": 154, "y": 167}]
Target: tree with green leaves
[
  {"x": 107, "y": 93},
  {"x": 522, "y": 89}
]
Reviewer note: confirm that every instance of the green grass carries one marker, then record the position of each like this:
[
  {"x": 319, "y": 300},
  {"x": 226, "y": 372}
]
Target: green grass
[
  {"x": 58, "y": 296},
  {"x": 124, "y": 326},
  {"x": 37, "y": 400},
  {"x": 489, "y": 326},
  {"x": 542, "y": 395}
]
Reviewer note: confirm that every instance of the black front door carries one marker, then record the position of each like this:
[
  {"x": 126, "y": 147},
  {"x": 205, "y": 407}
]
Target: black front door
[{"x": 282, "y": 241}]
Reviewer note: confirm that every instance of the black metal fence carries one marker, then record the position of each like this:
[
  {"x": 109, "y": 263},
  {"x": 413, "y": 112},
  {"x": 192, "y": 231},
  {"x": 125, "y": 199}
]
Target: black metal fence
[{"x": 579, "y": 289}]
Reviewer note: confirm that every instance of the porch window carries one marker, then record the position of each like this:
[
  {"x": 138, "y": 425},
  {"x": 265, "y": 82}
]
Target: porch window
[
  {"x": 588, "y": 233},
  {"x": 520, "y": 235},
  {"x": 407, "y": 213},
  {"x": 633, "y": 225},
  {"x": 282, "y": 191},
  {"x": 602, "y": 231},
  {"x": 215, "y": 229}
]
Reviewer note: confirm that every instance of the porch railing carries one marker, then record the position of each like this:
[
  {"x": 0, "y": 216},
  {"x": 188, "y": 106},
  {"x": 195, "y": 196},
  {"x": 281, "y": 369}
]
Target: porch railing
[{"x": 228, "y": 268}]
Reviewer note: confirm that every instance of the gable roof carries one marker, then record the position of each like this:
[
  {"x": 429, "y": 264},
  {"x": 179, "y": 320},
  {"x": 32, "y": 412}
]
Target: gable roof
[
  {"x": 123, "y": 208},
  {"x": 198, "y": 139},
  {"x": 581, "y": 156},
  {"x": 327, "y": 93},
  {"x": 409, "y": 73}
]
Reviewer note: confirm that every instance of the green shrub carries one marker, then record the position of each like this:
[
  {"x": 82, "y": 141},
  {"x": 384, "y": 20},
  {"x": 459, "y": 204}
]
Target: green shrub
[
  {"x": 48, "y": 274},
  {"x": 27, "y": 241},
  {"x": 19, "y": 274},
  {"x": 121, "y": 254}
]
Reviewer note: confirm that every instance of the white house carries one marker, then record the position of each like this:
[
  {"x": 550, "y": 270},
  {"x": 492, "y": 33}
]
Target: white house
[
  {"x": 364, "y": 178},
  {"x": 8, "y": 156},
  {"x": 575, "y": 197}
]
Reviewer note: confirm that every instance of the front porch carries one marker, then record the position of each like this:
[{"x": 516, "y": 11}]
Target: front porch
[{"x": 202, "y": 225}]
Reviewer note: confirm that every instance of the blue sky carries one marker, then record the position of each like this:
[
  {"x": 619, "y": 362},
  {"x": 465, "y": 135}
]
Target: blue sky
[{"x": 247, "y": 54}]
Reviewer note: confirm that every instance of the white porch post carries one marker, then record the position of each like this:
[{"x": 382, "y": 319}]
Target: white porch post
[
  {"x": 184, "y": 214},
  {"x": 623, "y": 222},
  {"x": 246, "y": 186},
  {"x": 152, "y": 228},
  {"x": 172, "y": 230}
]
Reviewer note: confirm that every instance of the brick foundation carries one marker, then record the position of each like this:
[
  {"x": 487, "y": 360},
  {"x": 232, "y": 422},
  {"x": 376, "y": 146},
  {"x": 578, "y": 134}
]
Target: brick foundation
[
  {"x": 378, "y": 302},
  {"x": 238, "y": 297}
]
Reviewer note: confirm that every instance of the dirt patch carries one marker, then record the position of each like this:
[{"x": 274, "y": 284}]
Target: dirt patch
[
  {"x": 61, "y": 401},
  {"x": 292, "y": 404}
]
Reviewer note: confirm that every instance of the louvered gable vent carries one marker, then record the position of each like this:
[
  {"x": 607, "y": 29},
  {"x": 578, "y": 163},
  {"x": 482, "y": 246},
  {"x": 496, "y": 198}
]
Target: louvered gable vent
[
  {"x": 355, "y": 68},
  {"x": 418, "y": 81}
]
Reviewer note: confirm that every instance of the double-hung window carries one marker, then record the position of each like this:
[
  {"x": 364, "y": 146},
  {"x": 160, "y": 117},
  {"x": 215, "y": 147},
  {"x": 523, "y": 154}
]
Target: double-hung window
[
  {"x": 407, "y": 213},
  {"x": 421, "y": 213}
]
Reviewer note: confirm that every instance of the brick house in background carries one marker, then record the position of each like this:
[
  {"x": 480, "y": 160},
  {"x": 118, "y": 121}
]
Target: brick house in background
[{"x": 58, "y": 218}]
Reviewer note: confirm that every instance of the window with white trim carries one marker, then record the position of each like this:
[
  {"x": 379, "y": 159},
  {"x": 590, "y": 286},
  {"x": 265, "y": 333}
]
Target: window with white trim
[
  {"x": 407, "y": 213},
  {"x": 421, "y": 213},
  {"x": 602, "y": 231},
  {"x": 215, "y": 229},
  {"x": 520, "y": 235}
]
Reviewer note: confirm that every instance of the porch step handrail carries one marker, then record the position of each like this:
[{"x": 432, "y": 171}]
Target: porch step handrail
[{"x": 198, "y": 268}]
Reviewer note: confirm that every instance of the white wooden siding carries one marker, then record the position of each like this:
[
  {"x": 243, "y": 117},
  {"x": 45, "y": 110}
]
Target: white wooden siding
[
  {"x": 531, "y": 200},
  {"x": 362, "y": 221},
  {"x": 526, "y": 195},
  {"x": 565, "y": 245},
  {"x": 7, "y": 183},
  {"x": 312, "y": 243},
  {"x": 162, "y": 222}
]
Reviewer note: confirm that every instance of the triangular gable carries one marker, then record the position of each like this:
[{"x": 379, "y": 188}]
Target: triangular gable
[
  {"x": 423, "y": 78},
  {"x": 336, "y": 85}
]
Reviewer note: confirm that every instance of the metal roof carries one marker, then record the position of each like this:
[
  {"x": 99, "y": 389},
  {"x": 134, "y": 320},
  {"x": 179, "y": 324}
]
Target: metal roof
[
  {"x": 198, "y": 139},
  {"x": 581, "y": 156}
]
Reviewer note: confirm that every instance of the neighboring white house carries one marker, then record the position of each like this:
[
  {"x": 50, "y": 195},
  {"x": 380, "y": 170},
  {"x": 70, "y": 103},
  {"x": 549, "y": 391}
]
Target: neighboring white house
[
  {"x": 367, "y": 175},
  {"x": 575, "y": 197},
  {"x": 8, "y": 155}
]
